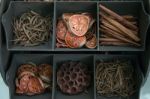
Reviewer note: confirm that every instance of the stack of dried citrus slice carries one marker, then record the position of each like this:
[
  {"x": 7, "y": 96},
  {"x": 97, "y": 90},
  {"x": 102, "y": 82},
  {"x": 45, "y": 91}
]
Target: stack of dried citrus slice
[
  {"x": 75, "y": 30},
  {"x": 32, "y": 79}
]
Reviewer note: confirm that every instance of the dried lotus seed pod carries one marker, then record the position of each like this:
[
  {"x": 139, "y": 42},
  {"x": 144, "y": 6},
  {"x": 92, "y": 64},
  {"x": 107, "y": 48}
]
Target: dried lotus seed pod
[{"x": 73, "y": 77}]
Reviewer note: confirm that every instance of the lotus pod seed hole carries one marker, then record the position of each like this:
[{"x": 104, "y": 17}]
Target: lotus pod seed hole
[
  {"x": 67, "y": 78},
  {"x": 74, "y": 75}
]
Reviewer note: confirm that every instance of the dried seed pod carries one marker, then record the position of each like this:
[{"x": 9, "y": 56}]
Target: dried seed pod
[{"x": 73, "y": 77}]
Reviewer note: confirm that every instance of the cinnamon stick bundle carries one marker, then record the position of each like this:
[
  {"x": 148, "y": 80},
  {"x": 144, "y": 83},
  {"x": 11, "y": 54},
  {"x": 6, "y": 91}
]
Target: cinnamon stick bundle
[
  {"x": 122, "y": 28},
  {"x": 118, "y": 30},
  {"x": 118, "y": 36},
  {"x": 118, "y": 18},
  {"x": 111, "y": 26}
]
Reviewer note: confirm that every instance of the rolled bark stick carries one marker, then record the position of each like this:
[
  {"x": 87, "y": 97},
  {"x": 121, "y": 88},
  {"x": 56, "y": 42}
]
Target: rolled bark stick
[
  {"x": 135, "y": 23},
  {"x": 105, "y": 36},
  {"x": 106, "y": 29},
  {"x": 109, "y": 40},
  {"x": 132, "y": 19},
  {"x": 114, "y": 43},
  {"x": 122, "y": 28},
  {"x": 119, "y": 18},
  {"x": 118, "y": 36},
  {"x": 129, "y": 18},
  {"x": 109, "y": 25}
]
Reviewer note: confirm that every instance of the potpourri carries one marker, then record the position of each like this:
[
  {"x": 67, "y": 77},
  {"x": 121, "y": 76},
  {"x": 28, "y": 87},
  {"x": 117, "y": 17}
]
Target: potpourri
[
  {"x": 32, "y": 29},
  {"x": 118, "y": 30},
  {"x": 32, "y": 79},
  {"x": 115, "y": 78},
  {"x": 76, "y": 30},
  {"x": 73, "y": 77}
]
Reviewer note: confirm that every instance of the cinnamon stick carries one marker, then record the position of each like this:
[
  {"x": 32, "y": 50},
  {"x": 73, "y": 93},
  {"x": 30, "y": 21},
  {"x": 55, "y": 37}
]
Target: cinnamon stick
[
  {"x": 109, "y": 40},
  {"x": 122, "y": 28},
  {"x": 119, "y": 18},
  {"x": 114, "y": 43},
  {"x": 106, "y": 36},
  {"x": 109, "y": 25},
  {"x": 117, "y": 35},
  {"x": 129, "y": 18}
]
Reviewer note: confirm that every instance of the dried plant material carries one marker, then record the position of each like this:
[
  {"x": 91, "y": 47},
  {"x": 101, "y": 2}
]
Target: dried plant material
[
  {"x": 118, "y": 36},
  {"x": 123, "y": 29},
  {"x": 115, "y": 78},
  {"x": 76, "y": 30},
  {"x": 32, "y": 29},
  {"x": 109, "y": 40},
  {"x": 113, "y": 28},
  {"x": 130, "y": 18},
  {"x": 74, "y": 41},
  {"x": 78, "y": 24},
  {"x": 92, "y": 42},
  {"x": 114, "y": 43},
  {"x": 61, "y": 29},
  {"x": 118, "y": 18},
  {"x": 73, "y": 77},
  {"x": 32, "y": 79},
  {"x": 46, "y": 72}
]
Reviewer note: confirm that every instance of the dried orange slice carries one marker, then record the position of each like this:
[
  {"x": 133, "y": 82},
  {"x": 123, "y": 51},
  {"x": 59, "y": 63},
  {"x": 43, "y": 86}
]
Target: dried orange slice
[
  {"x": 46, "y": 72},
  {"x": 92, "y": 42},
  {"x": 74, "y": 41},
  {"x": 79, "y": 24},
  {"x": 61, "y": 30}
]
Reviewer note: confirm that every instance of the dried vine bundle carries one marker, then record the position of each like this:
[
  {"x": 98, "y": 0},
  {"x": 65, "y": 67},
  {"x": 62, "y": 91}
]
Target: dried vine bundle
[
  {"x": 32, "y": 29},
  {"x": 115, "y": 78},
  {"x": 118, "y": 30}
]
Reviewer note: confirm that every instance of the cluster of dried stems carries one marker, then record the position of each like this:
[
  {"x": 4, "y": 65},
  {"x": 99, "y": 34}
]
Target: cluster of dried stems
[
  {"x": 32, "y": 29},
  {"x": 115, "y": 78},
  {"x": 118, "y": 30}
]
